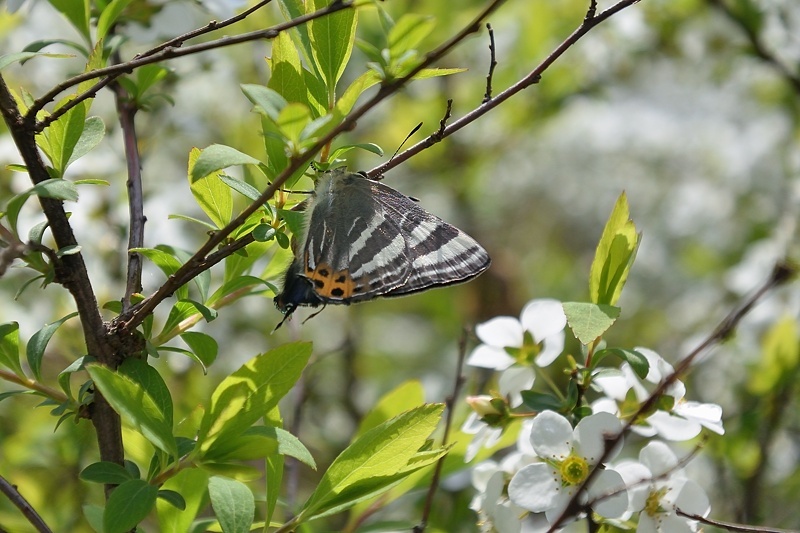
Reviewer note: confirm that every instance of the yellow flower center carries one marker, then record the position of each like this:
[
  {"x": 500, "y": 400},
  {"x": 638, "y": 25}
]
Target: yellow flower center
[
  {"x": 652, "y": 505},
  {"x": 574, "y": 470}
]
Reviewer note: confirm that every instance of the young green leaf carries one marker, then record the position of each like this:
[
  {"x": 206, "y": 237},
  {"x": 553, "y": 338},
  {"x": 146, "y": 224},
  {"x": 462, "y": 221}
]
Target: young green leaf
[
  {"x": 128, "y": 505},
  {"x": 260, "y": 442},
  {"x": 589, "y": 321},
  {"x": 240, "y": 284},
  {"x": 105, "y": 472},
  {"x": 166, "y": 263},
  {"x": 332, "y": 39},
  {"x": 109, "y": 16},
  {"x": 152, "y": 383},
  {"x": 135, "y": 405},
  {"x": 77, "y": 12},
  {"x": 251, "y": 392},
  {"x": 174, "y": 499},
  {"x": 286, "y": 70},
  {"x": 637, "y": 360},
  {"x": 92, "y": 134},
  {"x": 9, "y": 348},
  {"x": 213, "y": 196},
  {"x": 614, "y": 256},
  {"x": 243, "y": 188},
  {"x": 63, "y": 135},
  {"x": 58, "y": 189},
  {"x": 10, "y": 59},
  {"x": 404, "y": 397},
  {"x": 233, "y": 504},
  {"x": 204, "y": 346},
  {"x": 38, "y": 342},
  {"x": 408, "y": 32},
  {"x": 181, "y": 311},
  {"x": 376, "y": 461}
]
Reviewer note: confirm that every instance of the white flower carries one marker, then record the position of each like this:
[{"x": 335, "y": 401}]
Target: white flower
[
  {"x": 657, "y": 487},
  {"x": 537, "y": 336},
  {"x": 683, "y": 421},
  {"x": 485, "y": 435},
  {"x": 568, "y": 456},
  {"x": 496, "y": 513}
]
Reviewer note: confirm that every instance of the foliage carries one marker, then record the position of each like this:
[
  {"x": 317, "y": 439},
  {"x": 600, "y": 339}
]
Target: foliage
[{"x": 164, "y": 418}]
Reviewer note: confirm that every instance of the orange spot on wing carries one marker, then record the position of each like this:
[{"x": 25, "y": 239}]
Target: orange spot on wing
[{"x": 332, "y": 284}]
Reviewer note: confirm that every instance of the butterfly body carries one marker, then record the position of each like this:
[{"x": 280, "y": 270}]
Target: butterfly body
[{"x": 364, "y": 240}]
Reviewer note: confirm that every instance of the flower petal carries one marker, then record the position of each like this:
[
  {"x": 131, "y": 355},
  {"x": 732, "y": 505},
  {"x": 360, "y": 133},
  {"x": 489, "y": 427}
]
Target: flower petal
[
  {"x": 535, "y": 487},
  {"x": 485, "y": 356},
  {"x": 634, "y": 474},
  {"x": 591, "y": 434},
  {"x": 706, "y": 414},
  {"x": 543, "y": 318},
  {"x": 673, "y": 427},
  {"x": 552, "y": 347},
  {"x": 500, "y": 332},
  {"x": 513, "y": 380},
  {"x": 658, "y": 458},
  {"x": 551, "y": 435},
  {"x": 609, "y": 487},
  {"x": 692, "y": 499}
]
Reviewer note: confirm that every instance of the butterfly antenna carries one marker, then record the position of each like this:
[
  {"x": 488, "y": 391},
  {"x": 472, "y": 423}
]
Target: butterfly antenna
[
  {"x": 315, "y": 314},
  {"x": 415, "y": 130}
]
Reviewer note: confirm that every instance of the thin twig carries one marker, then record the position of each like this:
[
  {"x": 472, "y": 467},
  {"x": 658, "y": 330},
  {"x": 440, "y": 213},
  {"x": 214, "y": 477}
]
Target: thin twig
[
  {"x": 449, "y": 402},
  {"x": 192, "y": 267},
  {"x": 781, "y": 273},
  {"x": 114, "y": 71},
  {"x": 759, "y": 48},
  {"x": 22, "y": 504},
  {"x": 126, "y": 109},
  {"x": 492, "y": 64},
  {"x": 447, "y": 114},
  {"x": 530, "y": 79},
  {"x": 730, "y": 526}
]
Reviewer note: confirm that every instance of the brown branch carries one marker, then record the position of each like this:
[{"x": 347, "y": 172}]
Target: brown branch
[
  {"x": 126, "y": 109},
  {"x": 781, "y": 273},
  {"x": 492, "y": 64},
  {"x": 22, "y": 504},
  {"x": 759, "y": 48},
  {"x": 733, "y": 527},
  {"x": 449, "y": 402},
  {"x": 532, "y": 78},
  {"x": 72, "y": 274},
  {"x": 114, "y": 71},
  {"x": 198, "y": 262}
]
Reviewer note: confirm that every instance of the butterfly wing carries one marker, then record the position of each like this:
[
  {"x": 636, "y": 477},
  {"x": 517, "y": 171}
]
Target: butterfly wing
[
  {"x": 440, "y": 253},
  {"x": 352, "y": 251}
]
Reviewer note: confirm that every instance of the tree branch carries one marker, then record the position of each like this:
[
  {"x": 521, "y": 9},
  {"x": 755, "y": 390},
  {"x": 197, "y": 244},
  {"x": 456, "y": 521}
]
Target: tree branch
[
  {"x": 198, "y": 262},
  {"x": 22, "y": 504}
]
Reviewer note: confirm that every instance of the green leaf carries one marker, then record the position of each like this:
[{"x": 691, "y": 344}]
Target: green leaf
[
  {"x": 216, "y": 157},
  {"x": 109, "y": 16},
  {"x": 378, "y": 459},
  {"x": 10, "y": 59},
  {"x": 266, "y": 101},
  {"x": 408, "y": 32},
  {"x": 204, "y": 346},
  {"x": 369, "y": 147},
  {"x": 128, "y": 505},
  {"x": 191, "y": 484},
  {"x": 183, "y": 310},
  {"x": 614, "y": 256},
  {"x": 166, "y": 263},
  {"x": 93, "y": 132},
  {"x": 38, "y": 342},
  {"x": 9, "y": 394},
  {"x": 243, "y": 188},
  {"x": 233, "y": 504},
  {"x": 62, "y": 136},
  {"x": 133, "y": 403},
  {"x": 58, "y": 189},
  {"x": 251, "y": 392},
  {"x": 637, "y": 360},
  {"x": 173, "y": 498},
  {"x": 9, "y": 348},
  {"x": 428, "y": 73},
  {"x": 238, "y": 284},
  {"x": 63, "y": 376},
  {"x": 286, "y": 70},
  {"x": 203, "y": 223},
  {"x": 260, "y": 442},
  {"x": 152, "y": 383},
  {"x": 589, "y": 321},
  {"x": 292, "y": 120},
  {"x": 213, "y": 196},
  {"x": 77, "y": 12},
  {"x": 332, "y": 39},
  {"x": 539, "y": 401},
  {"x": 105, "y": 472},
  {"x": 404, "y": 397}
]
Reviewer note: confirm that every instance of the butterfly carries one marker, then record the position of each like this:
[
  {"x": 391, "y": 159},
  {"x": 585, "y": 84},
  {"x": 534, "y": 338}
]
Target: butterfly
[{"x": 363, "y": 240}]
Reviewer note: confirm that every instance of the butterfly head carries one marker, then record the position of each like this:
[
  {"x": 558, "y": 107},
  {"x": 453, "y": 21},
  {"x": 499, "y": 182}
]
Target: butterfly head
[{"x": 297, "y": 291}]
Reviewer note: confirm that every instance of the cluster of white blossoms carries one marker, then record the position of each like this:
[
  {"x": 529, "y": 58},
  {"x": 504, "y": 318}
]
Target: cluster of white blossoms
[{"x": 558, "y": 472}]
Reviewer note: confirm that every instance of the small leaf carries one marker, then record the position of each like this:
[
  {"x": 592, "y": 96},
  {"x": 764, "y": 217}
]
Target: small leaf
[
  {"x": 218, "y": 156},
  {"x": 614, "y": 256},
  {"x": 243, "y": 188},
  {"x": 213, "y": 197},
  {"x": 408, "y": 32},
  {"x": 109, "y": 16},
  {"x": 237, "y": 284},
  {"x": 59, "y": 189},
  {"x": 174, "y": 498},
  {"x": 263, "y": 232},
  {"x": 233, "y": 504},
  {"x": 166, "y": 263},
  {"x": 539, "y": 401},
  {"x": 267, "y": 101},
  {"x": 128, "y": 505},
  {"x": 9, "y": 59},
  {"x": 152, "y": 383},
  {"x": 9, "y": 348},
  {"x": 133, "y": 403},
  {"x": 251, "y": 392},
  {"x": 637, "y": 360},
  {"x": 204, "y": 346},
  {"x": 332, "y": 39},
  {"x": 191, "y": 484},
  {"x": 589, "y": 321},
  {"x": 93, "y": 132},
  {"x": 38, "y": 342},
  {"x": 105, "y": 472}
]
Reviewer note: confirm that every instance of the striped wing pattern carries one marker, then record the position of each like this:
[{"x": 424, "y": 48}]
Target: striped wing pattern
[{"x": 366, "y": 240}]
